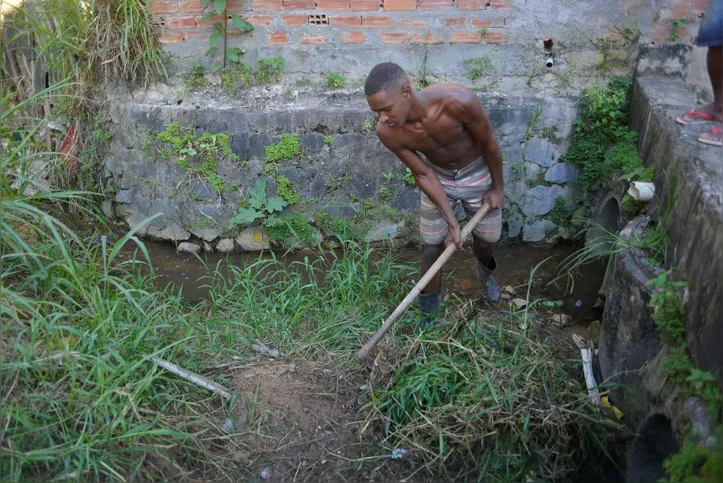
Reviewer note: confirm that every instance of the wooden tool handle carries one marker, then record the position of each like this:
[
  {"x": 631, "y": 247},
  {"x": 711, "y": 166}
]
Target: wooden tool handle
[{"x": 364, "y": 351}]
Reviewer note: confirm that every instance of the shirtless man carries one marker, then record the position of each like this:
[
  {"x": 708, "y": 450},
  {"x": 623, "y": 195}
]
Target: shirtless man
[{"x": 449, "y": 127}]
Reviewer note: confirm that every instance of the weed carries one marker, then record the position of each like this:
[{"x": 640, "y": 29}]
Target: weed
[
  {"x": 271, "y": 169},
  {"x": 534, "y": 121},
  {"x": 220, "y": 32},
  {"x": 329, "y": 141},
  {"x": 260, "y": 207},
  {"x": 423, "y": 81},
  {"x": 286, "y": 191},
  {"x": 484, "y": 33},
  {"x": 368, "y": 128},
  {"x": 560, "y": 213},
  {"x": 477, "y": 67},
  {"x": 695, "y": 463},
  {"x": 366, "y": 204},
  {"x": 303, "y": 82},
  {"x": 335, "y": 80},
  {"x": 385, "y": 193},
  {"x": 287, "y": 148},
  {"x": 409, "y": 178},
  {"x": 206, "y": 223},
  {"x": 270, "y": 69},
  {"x": 388, "y": 177},
  {"x": 292, "y": 231},
  {"x": 197, "y": 78},
  {"x": 243, "y": 72},
  {"x": 519, "y": 166},
  {"x": 675, "y": 26},
  {"x": 341, "y": 179}
]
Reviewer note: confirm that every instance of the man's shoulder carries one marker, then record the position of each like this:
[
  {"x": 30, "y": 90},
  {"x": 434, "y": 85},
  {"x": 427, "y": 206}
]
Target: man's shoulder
[{"x": 454, "y": 94}]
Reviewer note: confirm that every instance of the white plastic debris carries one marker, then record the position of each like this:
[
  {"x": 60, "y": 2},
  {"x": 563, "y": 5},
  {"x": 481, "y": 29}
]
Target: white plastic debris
[{"x": 398, "y": 453}]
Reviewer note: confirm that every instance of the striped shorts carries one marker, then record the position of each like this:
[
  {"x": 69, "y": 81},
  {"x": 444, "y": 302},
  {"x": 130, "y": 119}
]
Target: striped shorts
[{"x": 467, "y": 185}]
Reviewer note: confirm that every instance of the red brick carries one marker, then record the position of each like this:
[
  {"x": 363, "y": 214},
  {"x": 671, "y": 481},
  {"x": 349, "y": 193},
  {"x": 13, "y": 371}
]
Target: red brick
[
  {"x": 394, "y": 37},
  {"x": 178, "y": 22},
  {"x": 168, "y": 37},
  {"x": 454, "y": 21},
  {"x": 484, "y": 23},
  {"x": 616, "y": 37},
  {"x": 346, "y": 21},
  {"x": 260, "y": 19},
  {"x": 500, "y": 3},
  {"x": 495, "y": 38},
  {"x": 427, "y": 38},
  {"x": 466, "y": 37},
  {"x": 394, "y": 5},
  {"x": 435, "y": 4},
  {"x": 659, "y": 33},
  {"x": 332, "y": 4},
  {"x": 377, "y": 21},
  {"x": 236, "y": 5},
  {"x": 408, "y": 23},
  {"x": 354, "y": 37},
  {"x": 295, "y": 19},
  {"x": 313, "y": 40},
  {"x": 192, "y": 34},
  {"x": 208, "y": 23},
  {"x": 190, "y": 6},
  {"x": 471, "y": 4},
  {"x": 278, "y": 38},
  {"x": 698, "y": 7},
  {"x": 267, "y": 5},
  {"x": 164, "y": 7},
  {"x": 299, "y": 4},
  {"x": 680, "y": 10},
  {"x": 370, "y": 5}
]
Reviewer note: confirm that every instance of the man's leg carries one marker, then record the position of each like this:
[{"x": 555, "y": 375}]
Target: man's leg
[
  {"x": 715, "y": 72},
  {"x": 433, "y": 230}
]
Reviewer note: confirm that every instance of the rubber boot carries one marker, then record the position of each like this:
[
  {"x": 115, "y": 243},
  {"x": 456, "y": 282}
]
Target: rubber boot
[
  {"x": 429, "y": 306},
  {"x": 490, "y": 289}
]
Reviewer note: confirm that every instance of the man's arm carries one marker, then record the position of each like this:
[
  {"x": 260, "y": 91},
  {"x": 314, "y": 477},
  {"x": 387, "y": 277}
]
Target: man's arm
[
  {"x": 428, "y": 183},
  {"x": 474, "y": 118}
]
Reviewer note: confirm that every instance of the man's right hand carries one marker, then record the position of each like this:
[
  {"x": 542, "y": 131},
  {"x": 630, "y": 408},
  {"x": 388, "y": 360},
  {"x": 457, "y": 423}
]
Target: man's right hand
[{"x": 454, "y": 235}]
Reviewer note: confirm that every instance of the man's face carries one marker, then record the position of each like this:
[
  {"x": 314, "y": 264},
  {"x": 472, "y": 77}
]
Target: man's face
[{"x": 392, "y": 105}]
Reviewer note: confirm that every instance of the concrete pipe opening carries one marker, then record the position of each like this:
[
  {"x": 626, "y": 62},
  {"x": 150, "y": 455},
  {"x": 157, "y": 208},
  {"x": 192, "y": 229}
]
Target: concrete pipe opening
[
  {"x": 647, "y": 451},
  {"x": 607, "y": 221}
]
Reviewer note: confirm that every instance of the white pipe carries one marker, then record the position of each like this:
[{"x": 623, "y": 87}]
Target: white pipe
[{"x": 641, "y": 190}]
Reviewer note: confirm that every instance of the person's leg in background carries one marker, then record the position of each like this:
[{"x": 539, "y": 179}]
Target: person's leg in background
[{"x": 710, "y": 34}]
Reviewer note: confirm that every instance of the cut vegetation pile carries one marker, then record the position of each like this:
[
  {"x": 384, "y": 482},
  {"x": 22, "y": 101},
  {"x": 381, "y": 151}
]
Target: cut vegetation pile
[{"x": 478, "y": 398}]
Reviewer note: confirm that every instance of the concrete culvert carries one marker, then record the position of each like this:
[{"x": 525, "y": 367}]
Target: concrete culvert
[
  {"x": 608, "y": 220},
  {"x": 647, "y": 451}
]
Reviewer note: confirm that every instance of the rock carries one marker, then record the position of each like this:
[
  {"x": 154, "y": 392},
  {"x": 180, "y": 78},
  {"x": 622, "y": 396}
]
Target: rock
[
  {"x": 206, "y": 233},
  {"x": 510, "y": 290},
  {"x": 106, "y": 206},
  {"x": 225, "y": 246},
  {"x": 562, "y": 320},
  {"x": 207, "y": 247},
  {"x": 171, "y": 231},
  {"x": 539, "y": 200},
  {"x": 562, "y": 173},
  {"x": 532, "y": 171},
  {"x": 186, "y": 247},
  {"x": 364, "y": 387},
  {"x": 537, "y": 231},
  {"x": 384, "y": 230},
  {"x": 124, "y": 196},
  {"x": 228, "y": 426},
  {"x": 343, "y": 211},
  {"x": 253, "y": 239},
  {"x": 241, "y": 456},
  {"x": 541, "y": 151},
  {"x": 514, "y": 227},
  {"x": 519, "y": 303}
]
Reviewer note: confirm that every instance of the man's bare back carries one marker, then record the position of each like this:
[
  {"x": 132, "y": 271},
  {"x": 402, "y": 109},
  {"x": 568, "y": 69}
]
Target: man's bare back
[{"x": 440, "y": 135}]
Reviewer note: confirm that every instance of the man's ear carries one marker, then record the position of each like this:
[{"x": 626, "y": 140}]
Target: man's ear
[{"x": 407, "y": 90}]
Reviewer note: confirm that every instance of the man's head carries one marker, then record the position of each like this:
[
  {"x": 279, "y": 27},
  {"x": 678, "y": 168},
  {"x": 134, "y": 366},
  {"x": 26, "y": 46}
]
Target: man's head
[{"x": 389, "y": 93}]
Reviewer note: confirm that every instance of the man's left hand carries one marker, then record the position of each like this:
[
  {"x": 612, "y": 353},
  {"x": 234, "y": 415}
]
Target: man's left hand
[{"x": 495, "y": 197}]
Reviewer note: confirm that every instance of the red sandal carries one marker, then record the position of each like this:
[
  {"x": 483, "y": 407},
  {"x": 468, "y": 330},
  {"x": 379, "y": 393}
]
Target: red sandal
[
  {"x": 713, "y": 142},
  {"x": 704, "y": 118}
]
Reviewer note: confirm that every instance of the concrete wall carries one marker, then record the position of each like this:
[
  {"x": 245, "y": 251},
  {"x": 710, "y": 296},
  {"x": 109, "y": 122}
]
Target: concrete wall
[{"x": 589, "y": 39}]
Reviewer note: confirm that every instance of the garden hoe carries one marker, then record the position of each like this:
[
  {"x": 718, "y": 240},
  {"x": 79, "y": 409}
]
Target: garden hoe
[{"x": 364, "y": 351}]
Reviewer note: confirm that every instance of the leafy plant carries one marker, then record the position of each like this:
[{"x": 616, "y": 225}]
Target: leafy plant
[
  {"x": 409, "y": 177},
  {"x": 675, "y": 26},
  {"x": 388, "y": 177},
  {"x": 368, "y": 127},
  {"x": 269, "y": 68},
  {"x": 335, "y": 80},
  {"x": 385, "y": 193},
  {"x": 477, "y": 67},
  {"x": 484, "y": 32},
  {"x": 288, "y": 147},
  {"x": 197, "y": 77},
  {"x": 220, "y": 30},
  {"x": 329, "y": 141},
  {"x": 519, "y": 166},
  {"x": 286, "y": 191},
  {"x": 560, "y": 212},
  {"x": 259, "y": 207}
]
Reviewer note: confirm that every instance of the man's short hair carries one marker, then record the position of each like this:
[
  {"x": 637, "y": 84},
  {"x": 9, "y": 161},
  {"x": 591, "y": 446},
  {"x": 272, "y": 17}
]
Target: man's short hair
[{"x": 383, "y": 76}]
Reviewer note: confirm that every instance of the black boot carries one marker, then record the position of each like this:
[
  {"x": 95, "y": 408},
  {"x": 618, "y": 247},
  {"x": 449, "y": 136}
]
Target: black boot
[
  {"x": 429, "y": 306},
  {"x": 490, "y": 289}
]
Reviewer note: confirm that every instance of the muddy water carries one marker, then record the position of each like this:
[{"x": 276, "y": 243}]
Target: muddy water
[{"x": 515, "y": 264}]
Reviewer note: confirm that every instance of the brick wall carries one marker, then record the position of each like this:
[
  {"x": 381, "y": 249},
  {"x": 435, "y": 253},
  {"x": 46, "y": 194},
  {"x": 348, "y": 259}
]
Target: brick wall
[{"x": 316, "y": 22}]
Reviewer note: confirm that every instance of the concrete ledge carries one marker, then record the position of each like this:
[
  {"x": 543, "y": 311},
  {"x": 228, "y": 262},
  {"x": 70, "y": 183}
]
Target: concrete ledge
[{"x": 696, "y": 221}]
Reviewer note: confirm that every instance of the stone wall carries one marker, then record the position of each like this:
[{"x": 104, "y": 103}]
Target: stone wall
[{"x": 341, "y": 169}]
